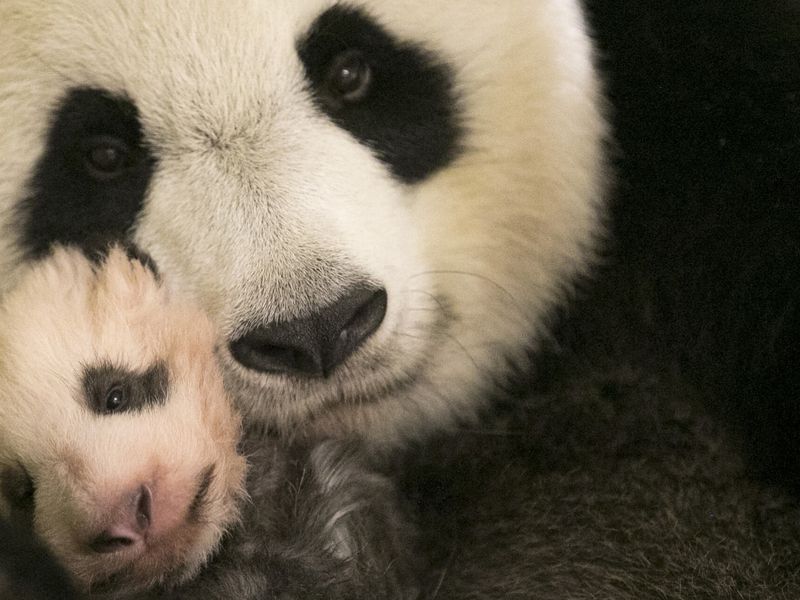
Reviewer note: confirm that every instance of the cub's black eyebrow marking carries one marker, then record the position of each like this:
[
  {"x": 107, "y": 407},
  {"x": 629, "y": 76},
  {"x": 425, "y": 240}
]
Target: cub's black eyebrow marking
[
  {"x": 67, "y": 203},
  {"x": 409, "y": 116},
  {"x": 112, "y": 389}
]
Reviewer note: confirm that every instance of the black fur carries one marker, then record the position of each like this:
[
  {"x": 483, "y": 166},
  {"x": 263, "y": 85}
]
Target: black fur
[
  {"x": 607, "y": 480},
  {"x": 409, "y": 116},
  {"x": 18, "y": 491},
  {"x": 70, "y": 202},
  {"x": 99, "y": 252},
  {"x": 112, "y": 389}
]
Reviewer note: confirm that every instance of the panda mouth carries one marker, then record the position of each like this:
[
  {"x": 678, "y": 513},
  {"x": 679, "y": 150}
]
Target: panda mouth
[{"x": 387, "y": 366}]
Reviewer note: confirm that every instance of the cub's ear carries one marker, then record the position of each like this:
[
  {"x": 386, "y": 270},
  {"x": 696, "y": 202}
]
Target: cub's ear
[
  {"x": 125, "y": 284},
  {"x": 27, "y": 569},
  {"x": 135, "y": 253},
  {"x": 100, "y": 251}
]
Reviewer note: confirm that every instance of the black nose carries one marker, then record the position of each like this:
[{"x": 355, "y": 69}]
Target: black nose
[{"x": 314, "y": 345}]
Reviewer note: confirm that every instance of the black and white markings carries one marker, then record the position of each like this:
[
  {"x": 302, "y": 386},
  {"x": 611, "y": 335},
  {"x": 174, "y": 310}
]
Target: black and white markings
[
  {"x": 110, "y": 389},
  {"x": 395, "y": 97},
  {"x": 89, "y": 185}
]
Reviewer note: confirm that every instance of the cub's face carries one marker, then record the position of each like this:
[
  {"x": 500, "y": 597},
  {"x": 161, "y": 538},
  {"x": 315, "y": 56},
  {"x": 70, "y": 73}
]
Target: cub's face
[
  {"x": 376, "y": 201},
  {"x": 117, "y": 441}
]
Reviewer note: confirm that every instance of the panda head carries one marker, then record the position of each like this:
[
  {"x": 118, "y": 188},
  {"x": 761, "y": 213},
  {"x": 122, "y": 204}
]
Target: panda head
[
  {"x": 376, "y": 201},
  {"x": 118, "y": 445}
]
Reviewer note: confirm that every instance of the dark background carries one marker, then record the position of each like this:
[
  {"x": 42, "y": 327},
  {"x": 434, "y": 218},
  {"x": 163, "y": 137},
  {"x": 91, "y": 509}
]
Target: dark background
[{"x": 652, "y": 451}]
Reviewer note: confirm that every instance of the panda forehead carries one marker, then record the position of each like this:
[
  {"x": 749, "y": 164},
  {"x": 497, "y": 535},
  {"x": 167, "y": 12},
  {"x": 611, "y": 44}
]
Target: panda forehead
[
  {"x": 154, "y": 50},
  {"x": 235, "y": 63},
  {"x": 178, "y": 57},
  {"x": 233, "y": 93}
]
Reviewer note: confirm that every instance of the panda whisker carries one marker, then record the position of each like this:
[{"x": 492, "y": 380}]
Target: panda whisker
[
  {"x": 439, "y": 303},
  {"x": 453, "y": 339},
  {"x": 480, "y": 276},
  {"x": 445, "y": 571}
]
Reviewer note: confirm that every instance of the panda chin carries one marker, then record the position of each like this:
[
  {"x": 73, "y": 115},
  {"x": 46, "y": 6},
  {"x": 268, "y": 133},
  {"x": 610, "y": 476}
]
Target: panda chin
[
  {"x": 373, "y": 377},
  {"x": 291, "y": 399}
]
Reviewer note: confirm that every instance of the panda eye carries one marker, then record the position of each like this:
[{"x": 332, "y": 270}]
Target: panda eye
[
  {"x": 115, "y": 400},
  {"x": 17, "y": 487},
  {"x": 105, "y": 157},
  {"x": 349, "y": 77}
]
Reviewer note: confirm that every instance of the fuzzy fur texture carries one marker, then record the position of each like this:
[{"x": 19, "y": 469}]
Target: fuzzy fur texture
[
  {"x": 62, "y": 317},
  {"x": 322, "y": 524},
  {"x": 608, "y": 481},
  {"x": 620, "y": 473},
  {"x": 317, "y": 521},
  {"x": 28, "y": 570},
  {"x": 653, "y": 452},
  {"x": 262, "y": 209}
]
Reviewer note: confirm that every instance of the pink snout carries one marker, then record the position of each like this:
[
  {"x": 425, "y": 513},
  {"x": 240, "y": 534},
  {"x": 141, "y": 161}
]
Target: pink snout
[{"x": 129, "y": 525}]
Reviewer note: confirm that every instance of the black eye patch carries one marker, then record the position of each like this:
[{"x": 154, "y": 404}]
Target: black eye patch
[
  {"x": 88, "y": 186},
  {"x": 109, "y": 389},
  {"x": 395, "y": 97}
]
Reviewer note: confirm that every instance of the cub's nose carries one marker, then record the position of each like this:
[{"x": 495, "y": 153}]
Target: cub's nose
[
  {"x": 314, "y": 345},
  {"x": 130, "y": 523}
]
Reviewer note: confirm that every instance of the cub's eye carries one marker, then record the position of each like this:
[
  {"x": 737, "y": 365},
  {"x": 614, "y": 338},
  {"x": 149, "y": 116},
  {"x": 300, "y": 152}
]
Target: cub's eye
[
  {"x": 105, "y": 157},
  {"x": 16, "y": 486},
  {"x": 115, "y": 400},
  {"x": 349, "y": 77}
]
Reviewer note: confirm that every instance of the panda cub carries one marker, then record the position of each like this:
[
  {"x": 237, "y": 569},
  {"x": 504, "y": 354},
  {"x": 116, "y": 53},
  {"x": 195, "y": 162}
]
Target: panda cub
[{"x": 121, "y": 452}]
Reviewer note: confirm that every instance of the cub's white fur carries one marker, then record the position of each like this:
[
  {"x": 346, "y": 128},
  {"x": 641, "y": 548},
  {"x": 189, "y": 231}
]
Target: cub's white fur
[
  {"x": 63, "y": 317},
  {"x": 262, "y": 209}
]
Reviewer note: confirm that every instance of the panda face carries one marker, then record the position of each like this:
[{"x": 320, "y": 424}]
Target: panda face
[
  {"x": 375, "y": 201},
  {"x": 118, "y": 444}
]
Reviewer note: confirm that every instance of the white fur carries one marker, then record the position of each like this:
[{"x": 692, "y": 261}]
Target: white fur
[
  {"x": 63, "y": 316},
  {"x": 255, "y": 187}
]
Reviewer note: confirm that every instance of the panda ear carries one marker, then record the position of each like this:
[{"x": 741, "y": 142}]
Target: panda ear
[{"x": 126, "y": 279}]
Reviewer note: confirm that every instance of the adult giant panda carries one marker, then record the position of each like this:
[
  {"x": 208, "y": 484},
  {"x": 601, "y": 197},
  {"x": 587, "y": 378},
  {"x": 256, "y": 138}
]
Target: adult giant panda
[{"x": 379, "y": 203}]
